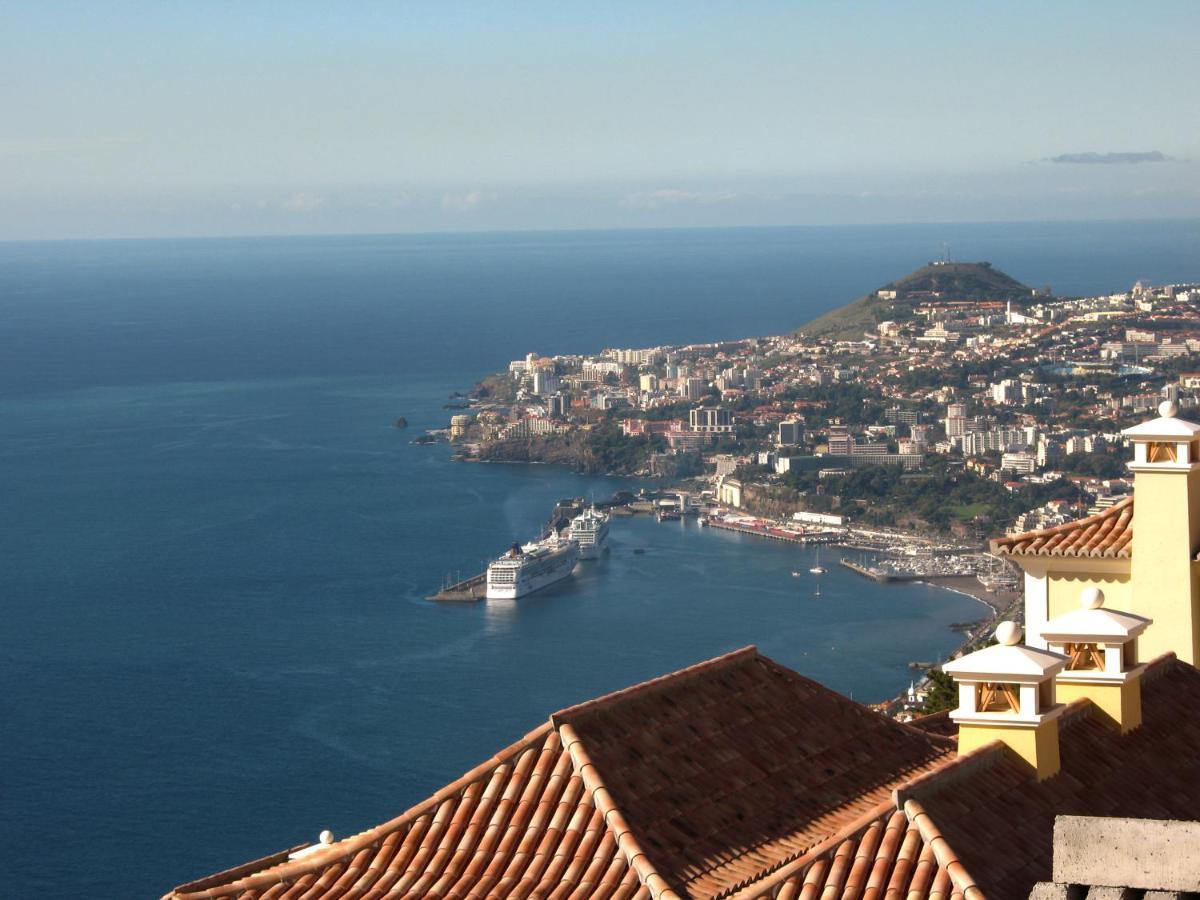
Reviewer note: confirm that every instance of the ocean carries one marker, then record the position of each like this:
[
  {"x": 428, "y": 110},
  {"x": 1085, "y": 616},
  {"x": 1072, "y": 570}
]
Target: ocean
[{"x": 215, "y": 642}]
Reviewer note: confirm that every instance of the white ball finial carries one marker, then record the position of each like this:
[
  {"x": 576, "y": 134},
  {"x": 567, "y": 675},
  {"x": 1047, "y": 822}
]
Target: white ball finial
[
  {"x": 1091, "y": 598},
  {"x": 1168, "y": 409},
  {"x": 326, "y": 837},
  {"x": 1008, "y": 633}
]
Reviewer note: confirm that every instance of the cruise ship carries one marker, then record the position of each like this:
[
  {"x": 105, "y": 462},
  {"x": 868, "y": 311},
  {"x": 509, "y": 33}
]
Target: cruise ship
[
  {"x": 525, "y": 569},
  {"x": 589, "y": 530}
]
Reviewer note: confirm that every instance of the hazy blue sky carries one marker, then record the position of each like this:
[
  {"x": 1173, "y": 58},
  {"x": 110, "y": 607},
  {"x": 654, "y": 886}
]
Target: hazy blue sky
[{"x": 161, "y": 118}]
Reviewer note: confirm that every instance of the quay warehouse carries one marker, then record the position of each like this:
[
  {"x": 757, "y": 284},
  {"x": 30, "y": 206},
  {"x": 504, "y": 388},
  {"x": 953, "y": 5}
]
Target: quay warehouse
[{"x": 1069, "y": 762}]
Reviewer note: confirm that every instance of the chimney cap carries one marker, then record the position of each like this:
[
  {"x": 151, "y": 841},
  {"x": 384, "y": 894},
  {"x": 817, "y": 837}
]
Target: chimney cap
[
  {"x": 1167, "y": 427},
  {"x": 1093, "y": 624},
  {"x": 1006, "y": 662}
]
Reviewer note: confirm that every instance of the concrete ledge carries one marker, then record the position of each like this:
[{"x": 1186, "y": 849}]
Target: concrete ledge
[
  {"x": 1150, "y": 854},
  {"x": 1051, "y": 890}
]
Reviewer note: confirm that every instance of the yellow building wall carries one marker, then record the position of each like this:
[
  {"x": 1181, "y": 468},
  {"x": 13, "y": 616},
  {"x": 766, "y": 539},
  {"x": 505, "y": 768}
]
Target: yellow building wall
[
  {"x": 1165, "y": 535},
  {"x": 1063, "y": 592},
  {"x": 1037, "y": 745}
]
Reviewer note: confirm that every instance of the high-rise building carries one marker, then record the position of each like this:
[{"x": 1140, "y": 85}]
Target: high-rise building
[
  {"x": 693, "y": 388},
  {"x": 840, "y": 442},
  {"x": 956, "y": 420},
  {"x": 545, "y": 382},
  {"x": 710, "y": 420},
  {"x": 791, "y": 433},
  {"x": 898, "y": 415}
]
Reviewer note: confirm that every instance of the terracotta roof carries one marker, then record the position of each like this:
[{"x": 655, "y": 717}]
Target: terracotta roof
[
  {"x": 697, "y": 784},
  {"x": 1000, "y": 822},
  {"x": 740, "y": 779},
  {"x": 1108, "y": 533},
  {"x": 728, "y": 774},
  {"x": 885, "y": 856},
  {"x": 937, "y": 723}
]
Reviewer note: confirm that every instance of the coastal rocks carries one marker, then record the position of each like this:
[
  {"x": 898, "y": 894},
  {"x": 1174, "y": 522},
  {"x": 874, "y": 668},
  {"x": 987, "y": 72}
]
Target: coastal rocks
[{"x": 401, "y": 422}]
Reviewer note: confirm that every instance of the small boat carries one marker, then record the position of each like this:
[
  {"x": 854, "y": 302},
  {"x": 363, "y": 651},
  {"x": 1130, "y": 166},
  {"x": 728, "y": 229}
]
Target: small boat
[
  {"x": 796, "y": 574},
  {"x": 818, "y": 569}
]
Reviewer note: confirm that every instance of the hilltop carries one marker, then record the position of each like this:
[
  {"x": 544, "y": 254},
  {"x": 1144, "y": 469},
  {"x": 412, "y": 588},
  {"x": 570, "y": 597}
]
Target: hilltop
[{"x": 945, "y": 281}]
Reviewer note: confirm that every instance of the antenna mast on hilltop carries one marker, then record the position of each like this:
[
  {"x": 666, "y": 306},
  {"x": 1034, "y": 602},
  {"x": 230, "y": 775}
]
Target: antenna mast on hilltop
[{"x": 945, "y": 253}]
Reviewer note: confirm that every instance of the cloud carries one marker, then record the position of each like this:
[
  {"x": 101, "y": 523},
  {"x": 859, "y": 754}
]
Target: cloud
[
  {"x": 303, "y": 202},
  {"x": 462, "y": 202},
  {"x": 87, "y": 144},
  {"x": 667, "y": 197},
  {"x": 1109, "y": 159}
]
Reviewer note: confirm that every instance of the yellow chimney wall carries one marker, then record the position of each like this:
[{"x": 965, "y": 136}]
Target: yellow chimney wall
[
  {"x": 1120, "y": 704},
  {"x": 1063, "y": 592},
  {"x": 1166, "y": 530},
  {"x": 1037, "y": 745}
]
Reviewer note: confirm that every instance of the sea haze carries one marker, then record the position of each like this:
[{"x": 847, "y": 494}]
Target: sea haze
[{"x": 216, "y": 545}]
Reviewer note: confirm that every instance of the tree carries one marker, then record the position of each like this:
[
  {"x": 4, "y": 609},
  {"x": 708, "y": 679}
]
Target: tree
[{"x": 942, "y": 693}]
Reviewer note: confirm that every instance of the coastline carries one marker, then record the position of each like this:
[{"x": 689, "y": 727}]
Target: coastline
[{"x": 998, "y": 603}]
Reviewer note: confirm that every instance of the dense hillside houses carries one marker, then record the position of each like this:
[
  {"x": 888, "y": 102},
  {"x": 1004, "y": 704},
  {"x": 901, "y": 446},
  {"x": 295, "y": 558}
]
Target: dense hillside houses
[
  {"x": 964, "y": 376},
  {"x": 1068, "y": 760}
]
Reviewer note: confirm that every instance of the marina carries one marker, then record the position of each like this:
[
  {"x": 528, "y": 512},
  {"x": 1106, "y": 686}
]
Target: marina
[{"x": 790, "y": 534}]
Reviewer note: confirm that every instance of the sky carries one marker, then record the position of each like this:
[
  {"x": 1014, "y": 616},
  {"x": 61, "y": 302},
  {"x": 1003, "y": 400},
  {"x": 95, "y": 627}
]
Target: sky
[{"x": 155, "y": 119}]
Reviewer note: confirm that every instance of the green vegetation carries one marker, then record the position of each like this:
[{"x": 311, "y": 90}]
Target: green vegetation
[
  {"x": 942, "y": 281},
  {"x": 608, "y": 449},
  {"x": 1098, "y": 465},
  {"x": 885, "y": 495},
  {"x": 942, "y": 693},
  {"x": 499, "y": 386}
]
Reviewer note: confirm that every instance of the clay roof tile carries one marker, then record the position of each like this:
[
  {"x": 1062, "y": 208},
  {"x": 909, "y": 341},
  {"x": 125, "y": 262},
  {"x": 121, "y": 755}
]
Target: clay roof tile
[{"x": 1107, "y": 534}]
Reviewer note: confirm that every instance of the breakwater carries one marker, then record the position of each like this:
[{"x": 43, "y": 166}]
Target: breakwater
[
  {"x": 876, "y": 574},
  {"x": 466, "y": 591}
]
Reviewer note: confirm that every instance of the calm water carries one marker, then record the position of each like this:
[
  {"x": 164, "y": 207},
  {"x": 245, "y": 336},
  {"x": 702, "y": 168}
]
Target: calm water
[{"x": 214, "y": 642}]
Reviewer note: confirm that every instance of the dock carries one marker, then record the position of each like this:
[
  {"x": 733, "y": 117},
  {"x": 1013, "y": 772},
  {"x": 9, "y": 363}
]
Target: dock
[
  {"x": 878, "y": 574},
  {"x": 775, "y": 533},
  {"x": 466, "y": 591}
]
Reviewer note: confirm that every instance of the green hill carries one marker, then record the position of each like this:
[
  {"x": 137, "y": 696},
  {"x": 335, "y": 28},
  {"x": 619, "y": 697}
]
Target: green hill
[{"x": 936, "y": 281}]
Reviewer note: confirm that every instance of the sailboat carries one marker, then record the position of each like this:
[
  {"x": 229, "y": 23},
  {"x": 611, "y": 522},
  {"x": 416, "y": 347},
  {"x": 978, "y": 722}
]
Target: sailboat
[{"x": 818, "y": 569}]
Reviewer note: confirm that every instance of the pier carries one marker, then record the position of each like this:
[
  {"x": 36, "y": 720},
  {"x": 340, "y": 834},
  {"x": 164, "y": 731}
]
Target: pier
[
  {"x": 775, "y": 533},
  {"x": 877, "y": 574},
  {"x": 467, "y": 591}
]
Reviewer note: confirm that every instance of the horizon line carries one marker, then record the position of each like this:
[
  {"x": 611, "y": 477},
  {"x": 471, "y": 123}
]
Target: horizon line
[{"x": 956, "y": 223}]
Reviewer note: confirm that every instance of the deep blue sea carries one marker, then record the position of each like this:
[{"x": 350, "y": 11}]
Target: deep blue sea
[{"x": 215, "y": 546}]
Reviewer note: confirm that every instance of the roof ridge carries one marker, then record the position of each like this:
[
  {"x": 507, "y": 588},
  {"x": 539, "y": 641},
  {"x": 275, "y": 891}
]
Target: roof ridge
[
  {"x": 938, "y": 740},
  {"x": 939, "y": 779},
  {"x": 725, "y": 660},
  {"x": 945, "y": 855},
  {"x": 614, "y": 820},
  {"x": 279, "y": 866},
  {"x": 1159, "y": 666}
]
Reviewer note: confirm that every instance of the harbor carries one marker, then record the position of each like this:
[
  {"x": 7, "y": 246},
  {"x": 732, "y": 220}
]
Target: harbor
[{"x": 553, "y": 556}]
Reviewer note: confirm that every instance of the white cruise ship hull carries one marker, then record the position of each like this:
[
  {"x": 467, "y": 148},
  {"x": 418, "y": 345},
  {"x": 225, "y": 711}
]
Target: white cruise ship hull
[
  {"x": 591, "y": 534},
  {"x": 510, "y": 579}
]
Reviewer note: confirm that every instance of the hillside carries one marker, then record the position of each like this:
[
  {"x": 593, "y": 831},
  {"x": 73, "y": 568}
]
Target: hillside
[{"x": 935, "y": 281}]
